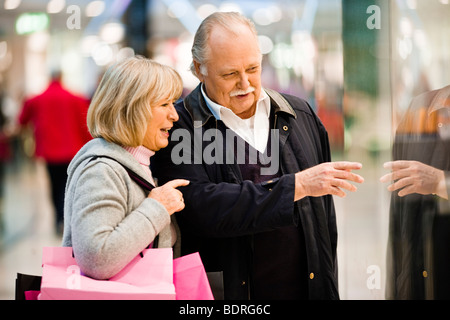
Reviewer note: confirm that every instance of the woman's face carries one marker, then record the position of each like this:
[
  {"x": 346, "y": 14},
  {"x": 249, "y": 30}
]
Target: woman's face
[{"x": 163, "y": 117}]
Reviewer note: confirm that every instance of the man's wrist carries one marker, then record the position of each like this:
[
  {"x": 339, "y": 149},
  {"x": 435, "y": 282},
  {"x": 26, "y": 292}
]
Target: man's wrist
[
  {"x": 441, "y": 189},
  {"x": 299, "y": 188}
]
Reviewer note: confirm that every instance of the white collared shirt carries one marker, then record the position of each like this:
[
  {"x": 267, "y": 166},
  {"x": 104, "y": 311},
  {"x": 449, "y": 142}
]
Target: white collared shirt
[{"x": 254, "y": 130}]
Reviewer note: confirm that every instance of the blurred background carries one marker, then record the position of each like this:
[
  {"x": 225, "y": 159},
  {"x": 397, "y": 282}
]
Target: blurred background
[{"x": 357, "y": 62}]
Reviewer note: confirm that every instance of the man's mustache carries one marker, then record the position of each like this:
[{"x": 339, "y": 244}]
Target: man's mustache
[{"x": 242, "y": 92}]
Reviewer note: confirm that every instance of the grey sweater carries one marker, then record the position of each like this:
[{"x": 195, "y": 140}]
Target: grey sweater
[{"x": 108, "y": 217}]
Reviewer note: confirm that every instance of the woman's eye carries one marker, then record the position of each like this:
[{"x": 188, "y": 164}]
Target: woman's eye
[{"x": 168, "y": 104}]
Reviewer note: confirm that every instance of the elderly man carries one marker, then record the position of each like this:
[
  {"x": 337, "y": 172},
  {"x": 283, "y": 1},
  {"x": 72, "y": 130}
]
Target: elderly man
[{"x": 270, "y": 228}]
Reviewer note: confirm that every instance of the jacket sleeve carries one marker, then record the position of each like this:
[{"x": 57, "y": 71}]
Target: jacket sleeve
[
  {"x": 219, "y": 208},
  {"x": 106, "y": 233}
]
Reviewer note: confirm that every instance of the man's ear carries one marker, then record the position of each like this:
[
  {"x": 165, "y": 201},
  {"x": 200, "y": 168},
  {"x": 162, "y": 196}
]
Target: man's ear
[{"x": 197, "y": 70}]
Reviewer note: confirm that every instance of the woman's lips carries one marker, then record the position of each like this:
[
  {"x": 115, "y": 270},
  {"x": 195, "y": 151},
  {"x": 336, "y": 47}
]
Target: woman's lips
[{"x": 165, "y": 132}]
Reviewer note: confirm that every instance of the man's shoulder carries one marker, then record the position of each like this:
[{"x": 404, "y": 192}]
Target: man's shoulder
[
  {"x": 193, "y": 109},
  {"x": 179, "y": 105},
  {"x": 180, "y": 108},
  {"x": 184, "y": 116},
  {"x": 297, "y": 103}
]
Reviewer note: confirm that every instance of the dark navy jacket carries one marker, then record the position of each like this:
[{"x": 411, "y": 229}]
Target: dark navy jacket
[{"x": 223, "y": 211}]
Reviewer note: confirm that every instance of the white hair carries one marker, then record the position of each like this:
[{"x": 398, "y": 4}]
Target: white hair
[{"x": 227, "y": 20}]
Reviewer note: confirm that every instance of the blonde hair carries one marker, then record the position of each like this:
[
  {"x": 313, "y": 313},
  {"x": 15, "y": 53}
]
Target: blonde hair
[{"x": 121, "y": 107}]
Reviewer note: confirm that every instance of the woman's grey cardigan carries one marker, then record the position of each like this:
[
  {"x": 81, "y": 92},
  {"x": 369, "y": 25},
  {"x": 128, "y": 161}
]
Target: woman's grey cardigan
[{"x": 108, "y": 217}]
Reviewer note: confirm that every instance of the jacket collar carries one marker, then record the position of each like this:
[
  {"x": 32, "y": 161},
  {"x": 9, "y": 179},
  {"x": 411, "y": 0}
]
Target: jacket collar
[{"x": 196, "y": 106}]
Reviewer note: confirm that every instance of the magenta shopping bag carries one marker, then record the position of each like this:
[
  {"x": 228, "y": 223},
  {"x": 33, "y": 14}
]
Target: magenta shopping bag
[
  {"x": 189, "y": 277},
  {"x": 146, "y": 277},
  {"x": 32, "y": 295}
]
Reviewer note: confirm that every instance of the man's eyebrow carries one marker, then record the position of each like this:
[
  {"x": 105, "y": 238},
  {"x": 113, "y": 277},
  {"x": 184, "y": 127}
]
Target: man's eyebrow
[{"x": 234, "y": 69}]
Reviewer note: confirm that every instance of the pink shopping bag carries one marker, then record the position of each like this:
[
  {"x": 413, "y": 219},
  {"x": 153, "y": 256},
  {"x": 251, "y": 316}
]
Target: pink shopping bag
[
  {"x": 190, "y": 279},
  {"x": 146, "y": 277}
]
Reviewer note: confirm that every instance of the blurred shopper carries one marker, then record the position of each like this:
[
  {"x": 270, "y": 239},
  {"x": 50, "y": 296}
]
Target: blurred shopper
[
  {"x": 270, "y": 228},
  {"x": 419, "y": 231},
  {"x": 58, "y": 119},
  {"x": 110, "y": 218}
]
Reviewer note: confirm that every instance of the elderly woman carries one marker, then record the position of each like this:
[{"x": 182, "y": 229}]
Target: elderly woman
[{"x": 109, "y": 217}]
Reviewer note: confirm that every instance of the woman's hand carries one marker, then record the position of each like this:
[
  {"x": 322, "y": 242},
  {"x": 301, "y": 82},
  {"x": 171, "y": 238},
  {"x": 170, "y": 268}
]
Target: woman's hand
[{"x": 169, "y": 196}]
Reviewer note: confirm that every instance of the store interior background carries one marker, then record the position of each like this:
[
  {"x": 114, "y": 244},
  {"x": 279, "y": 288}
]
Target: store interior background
[{"x": 358, "y": 66}]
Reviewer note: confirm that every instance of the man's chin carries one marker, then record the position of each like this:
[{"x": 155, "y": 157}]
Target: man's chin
[{"x": 244, "y": 111}]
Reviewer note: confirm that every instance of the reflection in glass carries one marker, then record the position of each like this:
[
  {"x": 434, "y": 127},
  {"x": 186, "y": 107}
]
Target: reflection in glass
[{"x": 419, "y": 227}]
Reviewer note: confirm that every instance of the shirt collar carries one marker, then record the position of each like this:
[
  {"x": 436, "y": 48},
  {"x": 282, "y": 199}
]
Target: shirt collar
[{"x": 213, "y": 107}]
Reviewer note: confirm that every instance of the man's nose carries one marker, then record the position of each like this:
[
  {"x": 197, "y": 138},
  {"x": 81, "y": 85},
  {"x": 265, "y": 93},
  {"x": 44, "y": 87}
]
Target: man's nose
[{"x": 244, "y": 83}]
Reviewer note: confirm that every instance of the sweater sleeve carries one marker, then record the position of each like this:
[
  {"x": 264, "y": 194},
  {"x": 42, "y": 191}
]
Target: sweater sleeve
[{"x": 108, "y": 229}]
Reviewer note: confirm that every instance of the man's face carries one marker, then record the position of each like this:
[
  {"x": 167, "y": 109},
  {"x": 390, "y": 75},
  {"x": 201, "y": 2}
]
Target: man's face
[{"x": 233, "y": 77}]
